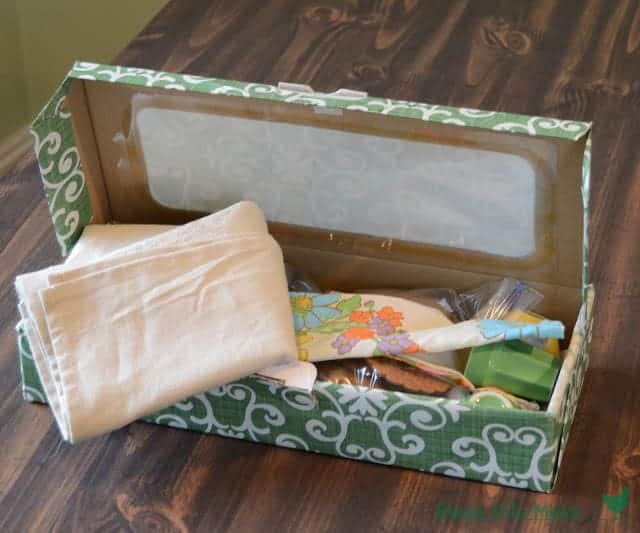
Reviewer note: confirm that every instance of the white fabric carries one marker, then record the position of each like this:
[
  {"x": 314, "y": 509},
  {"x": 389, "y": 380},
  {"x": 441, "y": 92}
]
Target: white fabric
[
  {"x": 145, "y": 326},
  {"x": 299, "y": 375},
  {"x": 98, "y": 240}
]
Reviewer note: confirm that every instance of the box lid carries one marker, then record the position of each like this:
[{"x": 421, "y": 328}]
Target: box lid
[{"x": 426, "y": 185}]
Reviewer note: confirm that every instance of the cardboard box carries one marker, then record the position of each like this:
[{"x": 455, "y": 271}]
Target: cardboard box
[{"x": 361, "y": 192}]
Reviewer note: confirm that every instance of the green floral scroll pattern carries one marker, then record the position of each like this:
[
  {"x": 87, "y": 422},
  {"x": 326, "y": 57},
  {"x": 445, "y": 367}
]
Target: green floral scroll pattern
[
  {"x": 61, "y": 170},
  {"x": 528, "y": 125},
  {"x": 32, "y": 389},
  {"x": 429, "y": 434}
]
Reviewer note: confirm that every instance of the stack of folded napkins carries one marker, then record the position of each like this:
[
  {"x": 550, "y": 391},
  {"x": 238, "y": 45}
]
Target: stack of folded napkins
[{"x": 146, "y": 316}]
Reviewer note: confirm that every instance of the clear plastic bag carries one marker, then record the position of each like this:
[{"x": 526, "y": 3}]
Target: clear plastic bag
[
  {"x": 494, "y": 299},
  {"x": 298, "y": 281},
  {"x": 449, "y": 301},
  {"x": 387, "y": 374},
  {"x": 497, "y": 299}
]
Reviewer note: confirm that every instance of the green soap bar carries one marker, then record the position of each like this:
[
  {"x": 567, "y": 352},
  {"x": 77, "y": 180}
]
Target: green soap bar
[{"x": 514, "y": 366}]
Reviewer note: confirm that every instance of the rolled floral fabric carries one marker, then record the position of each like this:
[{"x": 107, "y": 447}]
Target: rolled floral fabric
[{"x": 339, "y": 325}]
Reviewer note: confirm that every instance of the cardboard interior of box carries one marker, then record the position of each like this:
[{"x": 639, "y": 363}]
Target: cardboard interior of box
[{"x": 499, "y": 204}]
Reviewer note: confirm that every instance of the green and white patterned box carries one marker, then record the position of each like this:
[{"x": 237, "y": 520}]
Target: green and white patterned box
[{"x": 509, "y": 447}]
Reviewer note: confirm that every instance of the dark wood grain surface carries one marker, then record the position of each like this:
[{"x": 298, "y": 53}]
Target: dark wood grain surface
[{"x": 571, "y": 59}]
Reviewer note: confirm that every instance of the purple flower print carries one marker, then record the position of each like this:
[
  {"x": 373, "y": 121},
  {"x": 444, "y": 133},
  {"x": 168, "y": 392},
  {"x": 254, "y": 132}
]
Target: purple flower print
[
  {"x": 395, "y": 344},
  {"x": 381, "y": 327},
  {"x": 343, "y": 344}
]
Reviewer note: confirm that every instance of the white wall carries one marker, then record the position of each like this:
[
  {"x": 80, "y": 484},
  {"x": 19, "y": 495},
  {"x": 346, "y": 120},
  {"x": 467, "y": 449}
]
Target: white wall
[{"x": 40, "y": 39}]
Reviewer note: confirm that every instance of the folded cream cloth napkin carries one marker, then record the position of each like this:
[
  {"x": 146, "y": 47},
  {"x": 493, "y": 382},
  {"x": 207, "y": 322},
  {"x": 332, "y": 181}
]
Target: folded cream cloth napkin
[
  {"x": 119, "y": 336},
  {"x": 98, "y": 240}
]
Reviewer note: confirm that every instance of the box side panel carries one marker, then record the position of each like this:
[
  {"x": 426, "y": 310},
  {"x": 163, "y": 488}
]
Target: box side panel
[
  {"x": 440, "y": 436},
  {"x": 586, "y": 189},
  {"x": 513, "y": 448},
  {"x": 85, "y": 142},
  {"x": 491, "y": 120},
  {"x": 575, "y": 368},
  {"x": 61, "y": 169}
]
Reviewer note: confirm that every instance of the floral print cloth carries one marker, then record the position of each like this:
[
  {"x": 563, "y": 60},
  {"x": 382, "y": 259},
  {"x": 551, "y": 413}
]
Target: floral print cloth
[{"x": 338, "y": 325}]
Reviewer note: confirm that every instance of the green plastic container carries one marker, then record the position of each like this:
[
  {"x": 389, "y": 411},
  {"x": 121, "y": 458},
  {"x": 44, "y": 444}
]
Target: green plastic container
[{"x": 516, "y": 367}]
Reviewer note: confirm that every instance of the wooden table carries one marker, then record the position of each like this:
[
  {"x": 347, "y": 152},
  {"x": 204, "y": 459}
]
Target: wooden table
[{"x": 569, "y": 59}]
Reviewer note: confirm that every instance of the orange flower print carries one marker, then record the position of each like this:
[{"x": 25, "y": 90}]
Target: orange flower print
[
  {"x": 358, "y": 333},
  {"x": 346, "y": 341},
  {"x": 412, "y": 349},
  {"x": 390, "y": 315},
  {"x": 362, "y": 317}
]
